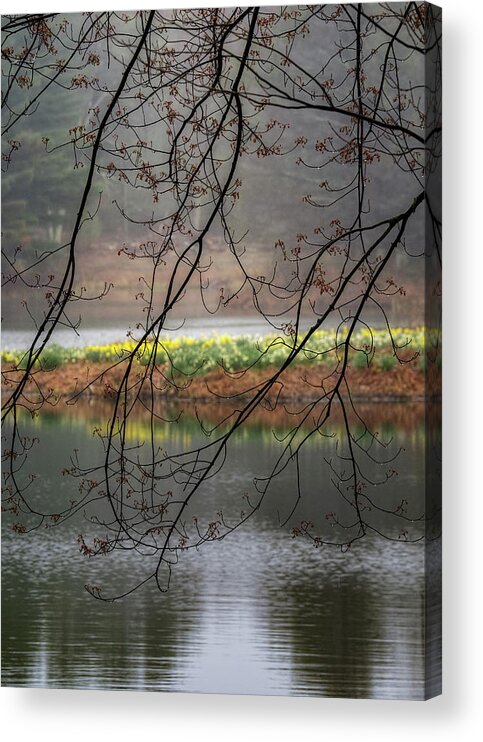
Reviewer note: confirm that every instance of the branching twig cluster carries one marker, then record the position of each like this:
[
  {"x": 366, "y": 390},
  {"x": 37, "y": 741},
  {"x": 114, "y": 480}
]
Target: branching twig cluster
[{"x": 182, "y": 104}]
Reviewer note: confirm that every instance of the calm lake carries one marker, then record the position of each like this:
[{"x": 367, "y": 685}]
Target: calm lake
[
  {"x": 18, "y": 339},
  {"x": 205, "y": 326},
  {"x": 259, "y": 612}
]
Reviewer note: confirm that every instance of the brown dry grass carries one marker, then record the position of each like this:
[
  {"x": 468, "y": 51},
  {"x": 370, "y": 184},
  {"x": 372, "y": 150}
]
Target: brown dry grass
[{"x": 86, "y": 380}]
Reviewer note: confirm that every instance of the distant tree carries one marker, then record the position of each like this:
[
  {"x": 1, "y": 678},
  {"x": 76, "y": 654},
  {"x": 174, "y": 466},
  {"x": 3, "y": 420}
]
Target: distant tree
[{"x": 311, "y": 132}]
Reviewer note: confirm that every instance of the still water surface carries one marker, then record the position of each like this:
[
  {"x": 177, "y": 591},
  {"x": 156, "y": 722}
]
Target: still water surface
[
  {"x": 259, "y": 612},
  {"x": 195, "y": 327}
]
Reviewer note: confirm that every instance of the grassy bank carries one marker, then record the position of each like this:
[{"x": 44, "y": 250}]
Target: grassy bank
[{"x": 203, "y": 355}]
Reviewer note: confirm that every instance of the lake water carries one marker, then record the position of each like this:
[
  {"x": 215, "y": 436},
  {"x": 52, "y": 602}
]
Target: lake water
[
  {"x": 259, "y": 612},
  {"x": 19, "y": 339}
]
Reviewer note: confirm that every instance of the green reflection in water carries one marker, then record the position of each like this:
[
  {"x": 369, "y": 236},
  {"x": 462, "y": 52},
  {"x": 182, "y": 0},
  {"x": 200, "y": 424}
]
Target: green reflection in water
[{"x": 259, "y": 612}]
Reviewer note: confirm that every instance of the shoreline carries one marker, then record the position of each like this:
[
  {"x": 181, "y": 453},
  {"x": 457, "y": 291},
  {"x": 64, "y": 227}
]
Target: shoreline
[{"x": 301, "y": 383}]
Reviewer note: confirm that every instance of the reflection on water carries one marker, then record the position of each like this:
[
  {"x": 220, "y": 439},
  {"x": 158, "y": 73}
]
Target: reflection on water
[{"x": 259, "y": 612}]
